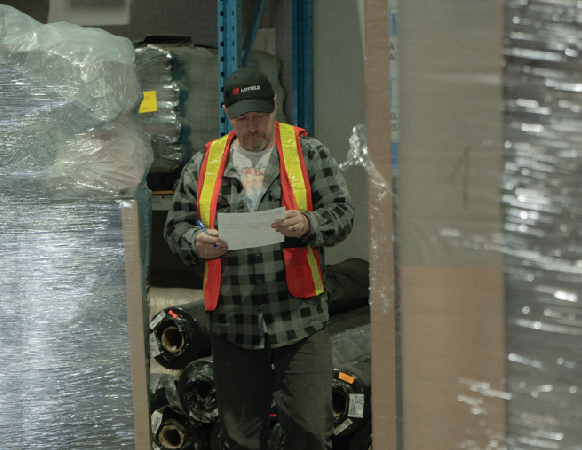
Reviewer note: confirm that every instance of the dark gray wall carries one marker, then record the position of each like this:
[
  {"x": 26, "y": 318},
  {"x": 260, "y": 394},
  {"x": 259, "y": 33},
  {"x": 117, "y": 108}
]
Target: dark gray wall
[
  {"x": 37, "y": 9},
  {"x": 340, "y": 104},
  {"x": 195, "y": 18}
]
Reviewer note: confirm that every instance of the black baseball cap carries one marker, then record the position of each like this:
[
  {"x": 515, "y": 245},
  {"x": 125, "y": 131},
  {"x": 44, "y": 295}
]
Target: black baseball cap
[{"x": 248, "y": 90}]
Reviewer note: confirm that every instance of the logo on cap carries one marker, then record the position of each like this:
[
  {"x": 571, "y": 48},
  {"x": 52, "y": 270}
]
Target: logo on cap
[
  {"x": 251, "y": 88},
  {"x": 235, "y": 91}
]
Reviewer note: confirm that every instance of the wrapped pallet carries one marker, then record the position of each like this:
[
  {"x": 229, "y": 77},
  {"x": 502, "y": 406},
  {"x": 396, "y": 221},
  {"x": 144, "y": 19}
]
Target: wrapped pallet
[
  {"x": 72, "y": 161},
  {"x": 488, "y": 199}
]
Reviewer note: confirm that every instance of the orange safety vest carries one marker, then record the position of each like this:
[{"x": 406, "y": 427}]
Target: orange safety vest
[{"x": 302, "y": 266}]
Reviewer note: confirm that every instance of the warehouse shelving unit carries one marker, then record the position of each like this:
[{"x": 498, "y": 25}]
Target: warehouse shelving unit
[
  {"x": 236, "y": 38},
  {"x": 229, "y": 48}
]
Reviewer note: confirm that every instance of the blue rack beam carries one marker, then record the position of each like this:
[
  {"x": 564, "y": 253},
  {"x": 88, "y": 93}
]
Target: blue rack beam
[
  {"x": 232, "y": 55},
  {"x": 303, "y": 106},
  {"x": 229, "y": 49}
]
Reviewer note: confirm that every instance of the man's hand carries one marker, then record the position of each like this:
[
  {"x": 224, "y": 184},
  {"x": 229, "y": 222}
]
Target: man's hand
[
  {"x": 209, "y": 246},
  {"x": 295, "y": 224}
]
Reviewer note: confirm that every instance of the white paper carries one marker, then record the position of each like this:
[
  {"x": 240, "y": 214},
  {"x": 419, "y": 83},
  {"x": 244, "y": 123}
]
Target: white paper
[{"x": 250, "y": 229}]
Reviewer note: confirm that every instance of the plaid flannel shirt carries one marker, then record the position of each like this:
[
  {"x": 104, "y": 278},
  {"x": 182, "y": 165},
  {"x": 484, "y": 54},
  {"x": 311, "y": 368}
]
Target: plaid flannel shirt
[{"x": 253, "y": 286}]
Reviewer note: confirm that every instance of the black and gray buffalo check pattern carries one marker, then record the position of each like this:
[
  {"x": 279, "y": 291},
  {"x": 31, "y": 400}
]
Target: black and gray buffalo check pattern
[{"x": 254, "y": 291}]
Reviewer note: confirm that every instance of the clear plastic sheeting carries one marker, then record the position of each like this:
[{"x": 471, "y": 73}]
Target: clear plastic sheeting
[
  {"x": 69, "y": 99},
  {"x": 381, "y": 189},
  {"x": 542, "y": 201},
  {"x": 64, "y": 346},
  {"x": 358, "y": 156},
  {"x": 111, "y": 161},
  {"x": 87, "y": 66}
]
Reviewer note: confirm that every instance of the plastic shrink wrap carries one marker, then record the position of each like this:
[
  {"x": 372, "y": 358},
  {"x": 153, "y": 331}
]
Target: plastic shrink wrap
[
  {"x": 68, "y": 97},
  {"x": 160, "y": 119},
  {"x": 541, "y": 200},
  {"x": 72, "y": 160},
  {"x": 488, "y": 202}
]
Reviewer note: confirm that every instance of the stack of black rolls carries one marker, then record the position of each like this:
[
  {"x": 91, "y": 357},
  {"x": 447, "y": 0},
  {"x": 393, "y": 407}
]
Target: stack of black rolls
[{"x": 182, "y": 400}]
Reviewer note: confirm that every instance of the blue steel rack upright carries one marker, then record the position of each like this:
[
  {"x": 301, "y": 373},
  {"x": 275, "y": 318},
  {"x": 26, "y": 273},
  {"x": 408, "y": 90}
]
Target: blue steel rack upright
[
  {"x": 303, "y": 107},
  {"x": 229, "y": 49},
  {"x": 232, "y": 54}
]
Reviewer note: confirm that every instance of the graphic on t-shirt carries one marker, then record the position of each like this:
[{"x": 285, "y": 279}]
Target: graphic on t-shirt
[
  {"x": 252, "y": 179},
  {"x": 251, "y": 167}
]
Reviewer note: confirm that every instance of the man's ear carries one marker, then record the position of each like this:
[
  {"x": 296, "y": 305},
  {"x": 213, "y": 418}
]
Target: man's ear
[{"x": 225, "y": 109}]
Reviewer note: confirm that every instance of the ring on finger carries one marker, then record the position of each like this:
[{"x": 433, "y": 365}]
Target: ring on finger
[{"x": 293, "y": 228}]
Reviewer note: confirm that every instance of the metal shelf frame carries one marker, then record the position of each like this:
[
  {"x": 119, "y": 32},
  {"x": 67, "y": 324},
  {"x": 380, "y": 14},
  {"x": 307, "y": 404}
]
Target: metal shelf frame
[
  {"x": 233, "y": 53},
  {"x": 303, "y": 105},
  {"x": 229, "y": 49}
]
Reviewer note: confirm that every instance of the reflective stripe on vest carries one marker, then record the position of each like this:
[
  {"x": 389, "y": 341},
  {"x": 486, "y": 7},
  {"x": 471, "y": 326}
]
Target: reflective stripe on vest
[
  {"x": 302, "y": 265},
  {"x": 208, "y": 189}
]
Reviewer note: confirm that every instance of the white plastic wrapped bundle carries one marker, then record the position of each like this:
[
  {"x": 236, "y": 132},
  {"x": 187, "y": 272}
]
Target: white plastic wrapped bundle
[
  {"x": 109, "y": 160},
  {"x": 71, "y": 158},
  {"x": 154, "y": 69},
  {"x": 90, "y": 66},
  {"x": 63, "y": 86},
  {"x": 542, "y": 199},
  {"x": 66, "y": 378},
  {"x": 35, "y": 120}
]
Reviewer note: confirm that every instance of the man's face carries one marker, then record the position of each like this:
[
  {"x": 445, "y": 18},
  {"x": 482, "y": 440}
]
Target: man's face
[{"x": 255, "y": 131}]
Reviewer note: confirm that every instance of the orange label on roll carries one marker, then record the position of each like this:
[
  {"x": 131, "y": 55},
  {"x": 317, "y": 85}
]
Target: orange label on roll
[{"x": 345, "y": 377}]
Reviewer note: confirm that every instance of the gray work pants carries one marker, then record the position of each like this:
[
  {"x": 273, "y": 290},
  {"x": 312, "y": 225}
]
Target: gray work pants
[{"x": 297, "y": 376}]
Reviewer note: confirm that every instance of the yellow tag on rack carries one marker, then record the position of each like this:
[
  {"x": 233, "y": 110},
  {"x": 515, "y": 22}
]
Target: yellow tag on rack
[{"x": 149, "y": 103}]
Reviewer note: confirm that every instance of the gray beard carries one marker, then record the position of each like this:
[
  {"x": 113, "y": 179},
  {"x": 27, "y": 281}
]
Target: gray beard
[{"x": 256, "y": 145}]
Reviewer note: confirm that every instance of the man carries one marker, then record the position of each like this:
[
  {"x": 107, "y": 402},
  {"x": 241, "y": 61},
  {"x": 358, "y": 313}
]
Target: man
[{"x": 267, "y": 305}]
